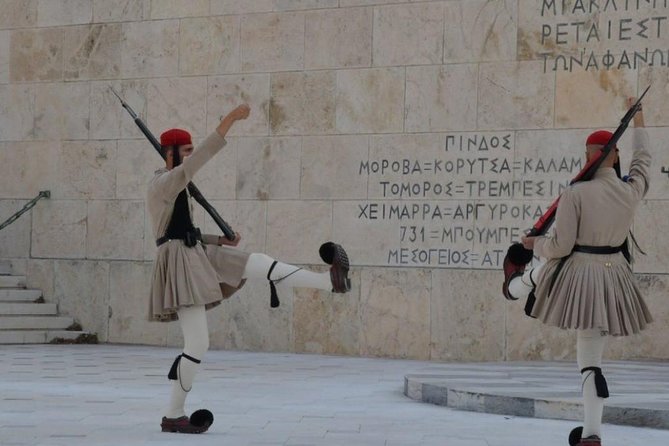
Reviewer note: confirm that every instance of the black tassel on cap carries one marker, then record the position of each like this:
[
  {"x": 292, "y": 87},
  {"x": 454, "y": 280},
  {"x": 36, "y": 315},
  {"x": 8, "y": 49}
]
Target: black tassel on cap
[{"x": 273, "y": 296}]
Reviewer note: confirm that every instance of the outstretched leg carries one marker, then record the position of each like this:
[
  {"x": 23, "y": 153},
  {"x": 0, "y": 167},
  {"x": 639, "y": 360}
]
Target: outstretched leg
[
  {"x": 589, "y": 349},
  {"x": 522, "y": 285},
  {"x": 262, "y": 266},
  {"x": 284, "y": 274}
]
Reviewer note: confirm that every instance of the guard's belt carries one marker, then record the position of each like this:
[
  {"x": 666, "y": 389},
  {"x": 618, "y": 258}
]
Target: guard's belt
[
  {"x": 190, "y": 238},
  {"x": 163, "y": 239},
  {"x": 598, "y": 249}
]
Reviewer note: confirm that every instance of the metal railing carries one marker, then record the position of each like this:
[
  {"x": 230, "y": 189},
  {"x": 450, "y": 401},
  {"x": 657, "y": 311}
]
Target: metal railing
[{"x": 29, "y": 205}]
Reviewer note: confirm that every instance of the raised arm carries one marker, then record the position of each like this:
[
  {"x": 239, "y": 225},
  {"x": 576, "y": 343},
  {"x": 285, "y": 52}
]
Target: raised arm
[
  {"x": 171, "y": 183},
  {"x": 639, "y": 177}
]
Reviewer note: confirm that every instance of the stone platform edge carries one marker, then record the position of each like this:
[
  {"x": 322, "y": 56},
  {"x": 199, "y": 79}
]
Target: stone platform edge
[{"x": 443, "y": 394}]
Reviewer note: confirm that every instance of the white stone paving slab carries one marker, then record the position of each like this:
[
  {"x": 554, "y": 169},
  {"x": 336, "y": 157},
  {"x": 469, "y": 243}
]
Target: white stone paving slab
[{"x": 109, "y": 395}]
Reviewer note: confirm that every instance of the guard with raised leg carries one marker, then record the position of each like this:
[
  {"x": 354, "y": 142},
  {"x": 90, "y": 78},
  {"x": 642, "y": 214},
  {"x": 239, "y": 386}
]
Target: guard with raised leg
[
  {"x": 194, "y": 272},
  {"x": 586, "y": 282}
]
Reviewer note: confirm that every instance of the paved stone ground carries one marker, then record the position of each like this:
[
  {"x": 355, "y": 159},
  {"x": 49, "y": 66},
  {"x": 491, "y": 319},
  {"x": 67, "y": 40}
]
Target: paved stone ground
[{"x": 53, "y": 395}]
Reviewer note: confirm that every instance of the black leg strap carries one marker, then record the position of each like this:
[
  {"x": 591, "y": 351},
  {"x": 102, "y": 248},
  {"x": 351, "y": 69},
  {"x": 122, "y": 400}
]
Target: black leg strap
[
  {"x": 273, "y": 297},
  {"x": 175, "y": 366},
  {"x": 531, "y": 298},
  {"x": 534, "y": 285},
  {"x": 600, "y": 381},
  {"x": 172, "y": 375},
  {"x": 190, "y": 358},
  {"x": 529, "y": 304}
]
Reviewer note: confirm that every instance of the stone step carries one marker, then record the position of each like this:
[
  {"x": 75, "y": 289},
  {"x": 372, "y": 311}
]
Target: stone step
[
  {"x": 36, "y": 336},
  {"x": 5, "y": 267},
  {"x": 12, "y": 281},
  {"x": 10, "y": 295},
  {"x": 35, "y": 322},
  {"x": 14, "y": 308}
]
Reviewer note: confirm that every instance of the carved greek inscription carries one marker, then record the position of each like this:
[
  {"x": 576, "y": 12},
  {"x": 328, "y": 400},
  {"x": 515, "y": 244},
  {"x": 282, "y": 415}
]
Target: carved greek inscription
[
  {"x": 462, "y": 205},
  {"x": 593, "y": 35}
]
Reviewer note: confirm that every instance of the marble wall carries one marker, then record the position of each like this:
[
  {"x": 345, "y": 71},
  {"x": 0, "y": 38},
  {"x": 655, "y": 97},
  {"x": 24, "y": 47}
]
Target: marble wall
[{"x": 424, "y": 136}]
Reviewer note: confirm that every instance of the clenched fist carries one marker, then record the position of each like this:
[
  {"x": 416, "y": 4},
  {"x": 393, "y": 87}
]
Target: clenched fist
[{"x": 240, "y": 112}]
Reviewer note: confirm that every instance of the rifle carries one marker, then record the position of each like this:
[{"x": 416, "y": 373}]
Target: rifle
[
  {"x": 192, "y": 189},
  {"x": 517, "y": 257},
  {"x": 588, "y": 171}
]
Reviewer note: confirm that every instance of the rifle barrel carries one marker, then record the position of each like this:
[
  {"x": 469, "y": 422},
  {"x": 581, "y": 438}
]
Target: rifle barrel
[
  {"x": 588, "y": 171},
  {"x": 194, "y": 191}
]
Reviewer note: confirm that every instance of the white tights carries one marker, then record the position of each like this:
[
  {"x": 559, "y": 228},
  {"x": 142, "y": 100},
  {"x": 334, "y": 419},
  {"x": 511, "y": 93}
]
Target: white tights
[
  {"x": 194, "y": 321},
  {"x": 589, "y": 350},
  {"x": 521, "y": 286},
  {"x": 196, "y": 343},
  {"x": 259, "y": 264}
]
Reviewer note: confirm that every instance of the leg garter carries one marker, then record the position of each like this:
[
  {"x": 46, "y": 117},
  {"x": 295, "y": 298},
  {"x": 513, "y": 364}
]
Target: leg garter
[
  {"x": 600, "y": 381},
  {"x": 274, "y": 297},
  {"x": 173, "y": 375}
]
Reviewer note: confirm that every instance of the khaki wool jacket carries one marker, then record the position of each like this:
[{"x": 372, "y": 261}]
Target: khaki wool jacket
[
  {"x": 599, "y": 212},
  {"x": 182, "y": 276},
  {"x": 595, "y": 290}
]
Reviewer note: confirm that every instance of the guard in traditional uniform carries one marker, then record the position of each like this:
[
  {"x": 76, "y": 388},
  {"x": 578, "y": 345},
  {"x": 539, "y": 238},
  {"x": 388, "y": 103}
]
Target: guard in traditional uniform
[
  {"x": 194, "y": 272},
  {"x": 587, "y": 282}
]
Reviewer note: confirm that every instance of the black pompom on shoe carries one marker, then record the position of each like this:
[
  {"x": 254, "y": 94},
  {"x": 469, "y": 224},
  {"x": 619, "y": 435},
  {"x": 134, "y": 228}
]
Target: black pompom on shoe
[
  {"x": 519, "y": 255},
  {"x": 202, "y": 418},
  {"x": 515, "y": 261},
  {"x": 575, "y": 436},
  {"x": 327, "y": 252},
  {"x": 198, "y": 423}
]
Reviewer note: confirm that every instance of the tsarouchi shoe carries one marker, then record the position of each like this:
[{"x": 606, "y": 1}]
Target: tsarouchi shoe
[
  {"x": 592, "y": 440},
  {"x": 333, "y": 254},
  {"x": 182, "y": 425},
  {"x": 515, "y": 261}
]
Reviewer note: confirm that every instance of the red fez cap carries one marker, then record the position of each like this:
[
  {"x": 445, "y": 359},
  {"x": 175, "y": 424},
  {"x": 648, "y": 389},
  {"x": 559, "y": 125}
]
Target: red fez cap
[
  {"x": 175, "y": 137},
  {"x": 600, "y": 137}
]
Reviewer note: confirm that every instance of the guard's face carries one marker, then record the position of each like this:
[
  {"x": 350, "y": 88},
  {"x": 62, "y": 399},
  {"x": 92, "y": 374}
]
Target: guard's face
[{"x": 185, "y": 150}]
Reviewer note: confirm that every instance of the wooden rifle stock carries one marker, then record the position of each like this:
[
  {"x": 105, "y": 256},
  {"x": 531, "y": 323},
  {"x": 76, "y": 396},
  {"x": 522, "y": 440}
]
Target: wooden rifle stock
[{"x": 192, "y": 189}]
